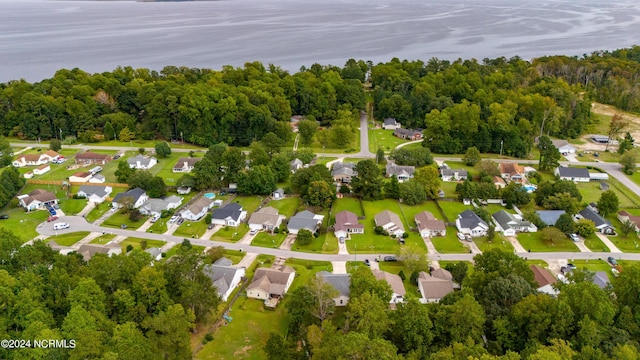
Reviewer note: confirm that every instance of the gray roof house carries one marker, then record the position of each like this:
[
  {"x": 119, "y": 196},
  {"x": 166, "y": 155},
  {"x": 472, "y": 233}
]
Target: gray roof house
[
  {"x": 142, "y": 162},
  {"x": 343, "y": 171},
  {"x": 156, "y": 253},
  {"x": 89, "y": 250},
  {"x": 304, "y": 220},
  {"x": 395, "y": 282},
  {"x": 224, "y": 277},
  {"x": 340, "y": 282},
  {"x": 403, "y": 173},
  {"x": 470, "y": 223},
  {"x": 572, "y": 174},
  {"x": 550, "y": 217},
  {"x": 564, "y": 147},
  {"x": 390, "y": 124},
  {"x": 157, "y": 206},
  {"x": 453, "y": 174},
  {"x": 266, "y": 219},
  {"x": 185, "y": 165},
  {"x": 295, "y": 165},
  {"x": 135, "y": 196},
  {"x": 434, "y": 286},
  {"x": 602, "y": 225},
  {"x": 390, "y": 222},
  {"x": 278, "y": 194},
  {"x": 229, "y": 215},
  {"x": 196, "y": 210},
  {"x": 509, "y": 224},
  {"x": 601, "y": 279},
  {"x": 95, "y": 194}
]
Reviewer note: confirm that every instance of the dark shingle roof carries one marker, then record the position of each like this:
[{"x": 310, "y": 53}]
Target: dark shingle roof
[
  {"x": 469, "y": 219},
  {"x": 133, "y": 193},
  {"x": 232, "y": 210},
  {"x": 593, "y": 216},
  {"x": 573, "y": 172}
]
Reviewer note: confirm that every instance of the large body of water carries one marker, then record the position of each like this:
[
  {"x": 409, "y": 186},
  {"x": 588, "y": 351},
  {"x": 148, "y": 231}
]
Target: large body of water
[{"x": 37, "y": 37}]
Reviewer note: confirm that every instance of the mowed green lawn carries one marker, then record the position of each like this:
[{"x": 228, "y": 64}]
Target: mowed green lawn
[
  {"x": 383, "y": 139},
  {"x": 449, "y": 243},
  {"x": 72, "y": 206},
  {"x": 69, "y": 238},
  {"x": 266, "y": 239},
  {"x": 347, "y": 203},
  {"x": 453, "y": 208},
  {"x": 98, "y": 211},
  {"x": 164, "y": 167},
  {"x": 117, "y": 219},
  {"x": 249, "y": 203},
  {"x": 591, "y": 193},
  {"x": 23, "y": 224},
  {"x": 230, "y": 234},
  {"x": 159, "y": 227},
  {"x": 286, "y": 206},
  {"x": 533, "y": 242},
  {"x": 136, "y": 243},
  {"x": 175, "y": 249},
  {"x": 410, "y": 211},
  {"x": 325, "y": 243},
  {"x": 498, "y": 243},
  {"x": 595, "y": 244},
  {"x": 191, "y": 229},
  {"x": 103, "y": 239}
]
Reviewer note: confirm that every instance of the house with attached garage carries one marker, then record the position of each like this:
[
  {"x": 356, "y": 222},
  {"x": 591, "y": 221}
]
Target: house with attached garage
[
  {"x": 185, "y": 165},
  {"x": 155, "y": 207},
  {"x": 602, "y": 225},
  {"x": 97, "y": 179},
  {"x": 133, "y": 198},
  {"x": 572, "y": 174},
  {"x": 270, "y": 284},
  {"x": 197, "y": 209},
  {"x": 429, "y": 226},
  {"x": 95, "y": 194},
  {"x": 346, "y": 224},
  {"x": 453, "y": 174},
  {"x": 266, "y": 219},
  {"x": 395, "y": 282},
  {"x": 434, "y": 286},
  {"x": 469, "y": 223},
  {"x": 544, "y": 279},
  {"x": 390, "y": 222},
  {"x": 304, "y": 220},
  {"x": 37, "y": 199},
  {"x": 30, "y": 160},
  {"x": 512, "y": 172},
  {"x": 509, "y": 224},
  {"x": 229, "y": 215},
  {"x": 408, "y": 134},
  {"x": 340, "y": 282},
  {"x": 390, "y": 124},
  {"x": 343, "y": 172},
  {"x": 89, "y": 250},
  {"x": 402, "y": 173},
  {"x": 549, "y": 217},
  {"x": 142, "y": 162},
  {"x": 89, "y": 157},
  {"x": 564, "y": 147},
  {"x": 224, "y": 276}
]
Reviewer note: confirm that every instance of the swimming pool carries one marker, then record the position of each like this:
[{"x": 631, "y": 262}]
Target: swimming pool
[
  {"x": 529, "y": 188},
  {"x": 210, "y": 195}
]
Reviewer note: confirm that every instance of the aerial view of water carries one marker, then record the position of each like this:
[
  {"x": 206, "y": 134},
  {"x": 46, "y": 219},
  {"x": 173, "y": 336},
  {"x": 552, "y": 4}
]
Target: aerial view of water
[{"x": 38, "y": 37}]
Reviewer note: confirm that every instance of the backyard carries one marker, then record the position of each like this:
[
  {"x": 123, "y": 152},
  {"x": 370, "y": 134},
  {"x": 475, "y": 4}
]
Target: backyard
[
  {"x": 453, "y": 208},
  {"x": 286, "y": 206},
  {"x": 383, "y": 139},
  {"x": 249, "y": 203},
  {"x": 347, "y": 203}
]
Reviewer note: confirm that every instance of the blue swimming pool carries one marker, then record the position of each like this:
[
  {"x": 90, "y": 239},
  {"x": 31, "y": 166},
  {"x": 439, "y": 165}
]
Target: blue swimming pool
[
  {"x": 530, "y": 188},
  {"x": 210, "y": 195}
]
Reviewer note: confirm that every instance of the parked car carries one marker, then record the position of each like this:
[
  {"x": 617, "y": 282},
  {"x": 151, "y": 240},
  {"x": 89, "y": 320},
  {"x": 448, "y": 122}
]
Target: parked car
[
  {"x": 52, "y": 218},
  {"x": 571, "y": 266},
  {"x": 574, "y": 237},
  {"x": 390, "y": 258},
  {"x": 366, "y": 262},
  {"x": 51, "y": 210},
  {"x": 253, "y": 231},
  {"x": 173, "y": 219},
  {"x": 59, "y": 226},
  {"x": 460, "y": 236},
  {"x": 4, "y": 217},
  {"x": 155, "y": 218},
  {"x": 180, "y": 221},
  {"x": 211, "y": 226},
  {"x": 116, "y": 157},
  {"x": 56, "y": 206},
  {"x": 612, "y": 261}
]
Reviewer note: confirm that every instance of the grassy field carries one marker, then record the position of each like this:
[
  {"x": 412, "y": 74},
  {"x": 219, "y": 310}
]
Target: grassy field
[
  {"x": 230, "y": 234},
  {"x": 98, "y": 211},
  {"x": 383, "y": 139},
  {"x": 347, "y": 203},
  {"x": 61, "y": 171},
  {"x": 594, "y": 265},
  {"x": 117, "y": 219},
  {"x": 69, "y": 238},
  {"x": 449, "y": 189},
  {"x": 453, "y": 208},
  {"x": 629, "y": 244},
  {"x": 325, "y": 243},
  {"x": 449, "y": 243},
  {"x": 23, "y": 224},
  {"x": 323, "y": 160},
  {"x": 499, "y": 242},
  {"x": 533, "y": 242},
  {"x": 103, "y": 239},
  {"x": 135, "y": 242},
  {"x": 286, "y": 206},
  {"x": 190, "y": 229},
  {"x": 591, "y": 193},
  {"x": 249, "y": 203},
  {"x": 234, "y": 255},
  {"x": 269, "y": 240},
  {"x": 595, "y": 244},
  {"x": 72, "y": 206}
]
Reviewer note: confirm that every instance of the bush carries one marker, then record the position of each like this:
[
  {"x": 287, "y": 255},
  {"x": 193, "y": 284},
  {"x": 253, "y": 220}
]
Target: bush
[
  {"x": 405, "y": 235},
  {"x": 305, "y": 237},
  {"x": 76, "y": 196},
  {"x": 129, "y": 248},
  {"x": 207, "y": 338},
  {"x": 166, "y": 213},
  {"x": 69, "y": 140},
  {"x": 135, "y": 215},
  {"x": 402, "y": 275},
  {"x": 207, "y": 219}
]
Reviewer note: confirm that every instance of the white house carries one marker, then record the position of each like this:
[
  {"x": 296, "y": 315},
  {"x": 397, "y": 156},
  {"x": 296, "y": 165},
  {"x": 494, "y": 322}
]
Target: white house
[
  {"x": 390, "y": 124},
  {"x": 271, "y": 284},
  {"x": 340, "y": 282},
  {"x": 30, "y": 160},
  {"x": 229, "y": 215},
  {"x": 224, "y": 276},
  {"x": 37, "y": 199},
  {"x": 97, "y": 179},
  {"x": 133, "y": 198},
  {"x": 434, "y": 286},
  {"x": 453, "y": 174},
  {"x": 509, "y": 224},
  {"x": 390, "y": 222},
  {"x": 197, "y": 209},
  {"x": 295, "y": 165},
  {"x": 80, "y": 177},
  {"x": 397, "y": 287},
  {"x": 602, "y": 225},
  {"x": 42, "y": 169},
  {"x": 28, "y": 175},
  {"x": 544, "y": 279},
  {"x": 95, "y": 194},
  {"x": 469, "y": 223},
  {"x": 156, "y": 253},
  {"x": 572, "y": 174},
  {"x": 402, "y": 173},
  {"x": 142, "y": 162},
  {"x": 157, "y": 206},
  {"x": 185, "y": 165},
  {"x": 564, "y": 147}
]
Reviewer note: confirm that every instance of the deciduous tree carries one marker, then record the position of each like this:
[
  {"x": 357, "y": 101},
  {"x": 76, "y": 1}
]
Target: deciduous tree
[
  {"x": 471, "y": 156},
  {"x": 608, "y": 203}
]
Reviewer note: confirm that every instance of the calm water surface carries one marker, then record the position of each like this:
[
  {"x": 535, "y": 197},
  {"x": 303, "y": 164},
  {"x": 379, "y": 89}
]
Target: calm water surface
[{"x": 37, "y": 37}]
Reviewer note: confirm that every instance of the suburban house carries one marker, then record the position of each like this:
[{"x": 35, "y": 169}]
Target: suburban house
[
  {"x": 133, "y": 198},
  {"x": 601, "y": 279},
  {"x": 37, "y": 199},
  {"x": 624, "y": 216},
  {"x": 395, "y": 282},
  {"x": 278, "y": 194},
  {"x": 390, "y": 222},
  {"x": 28, "y": 175},
  {"x": 229, "y": 215},
  {"x": 51, "y": 155},
  {"x": 564, "y": 147},
  {"x": 434, "y": 286},
  {"x": 572, "y": 174},
  {"x": 157, "y": 206},
  {"x": 340, "y": 282},
  {"x": 402, "y": 173},
  {"x": 224, "y": 276},
  {"x": 453, "y": 174},
  {"x": 142, "y": 162},
  {"x": 156, "y": 253},
  {"x": 469, "y": 223},
  {"x": 97, "y": 179},
  {"x": 89, "y": 250},
  {"x": 42, "y": 169},
  {"x": 347, "y": 223},
  {"x": 80, "y": 177},
  {"x": 544, "y": 279},
  {"x": 343, "y": 172},
  {"x": 512, "y": 172},
  {"x": 602, "y": 225},
  {"x": 295, "y": 165},
  {"x": 408, "y": 134},
  {"x": 429, "y": 226},
  {"x": 196, "y": 210},
  {"x": 95, "y": 194},
  {"x": 90, "y": 157},
  {"x": 390, "y": 124},
  {"x": 509, "y": 224},
  {"x": 304, "y": 220},
  {"x": 183, "y": 190},
  {"x": 30, "y": 160},
  {"x": 185, "y": 165},
  {"x": 499, "y": 182},
  {"x": 266, "y": 219},
  {"x": 549, "y": 217},
  {"x": 271, "y": 284}
]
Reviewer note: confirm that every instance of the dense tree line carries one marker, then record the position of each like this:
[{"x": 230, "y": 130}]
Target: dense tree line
[
  {"x": 498, "y": 314},
  {"x": 10, "y": 184},
  {"x": 204, "y": 107},
  {"x": 117, "y": 307}
]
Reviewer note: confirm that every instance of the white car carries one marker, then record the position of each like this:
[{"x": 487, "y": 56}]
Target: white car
[
  {"x": 173, "y": 218},
  {"x": 574, "y": 237},
  {"x": 155, "y": 218},
  {"x": 461, "y": 236},
  {"x": 253, "y": 231},
  {"x": 60, "y": 225}
]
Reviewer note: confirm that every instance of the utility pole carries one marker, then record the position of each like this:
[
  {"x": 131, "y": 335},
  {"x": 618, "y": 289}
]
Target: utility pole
[{"x": 501, "y": 143}]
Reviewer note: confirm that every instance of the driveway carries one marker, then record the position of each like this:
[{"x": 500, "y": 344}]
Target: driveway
[
  {"x": 339, "y": 267},
  {"x": 608, "y": 243},
  {"x": 342, "y": 248},
  {"x": 516, "y": 244},
  {"x": 288, "y": 242}
]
